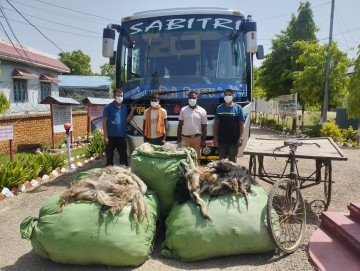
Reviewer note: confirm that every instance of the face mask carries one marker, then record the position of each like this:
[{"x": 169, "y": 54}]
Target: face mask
[
  {"x": 119, "y": 99},
  {"x": 154, "y": 104},
  {"x": 192, "y": 102},
  {"x": 228, "y": 99}
]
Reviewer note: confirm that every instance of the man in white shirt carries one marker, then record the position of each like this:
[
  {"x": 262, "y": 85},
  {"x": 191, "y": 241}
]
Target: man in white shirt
[{"x": 192, "y": 124}]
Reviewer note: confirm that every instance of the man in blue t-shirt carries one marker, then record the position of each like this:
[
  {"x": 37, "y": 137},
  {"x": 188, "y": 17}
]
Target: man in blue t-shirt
[
  {"x": 115, "y": 119},
  {"x": 229, "y": 127}
]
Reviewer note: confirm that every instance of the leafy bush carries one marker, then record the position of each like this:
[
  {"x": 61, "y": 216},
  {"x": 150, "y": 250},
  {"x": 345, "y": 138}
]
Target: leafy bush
[
  {"x": 269, "y": 123},
  {"x": 13, "y": 174},
  {"x": 331, "y": 130},
  {"x": 49, "y": 161},
  {"x": 278, "y": 127},
  {"x": 313, "y": 131},
  {"x": 29, "y": 161},
  {"x": 349, "y": 134},
  {"x": 97, "y": 144}
]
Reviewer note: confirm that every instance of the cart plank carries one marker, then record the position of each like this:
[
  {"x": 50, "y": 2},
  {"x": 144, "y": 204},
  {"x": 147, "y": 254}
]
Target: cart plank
[{"x": 328, "y": 149}]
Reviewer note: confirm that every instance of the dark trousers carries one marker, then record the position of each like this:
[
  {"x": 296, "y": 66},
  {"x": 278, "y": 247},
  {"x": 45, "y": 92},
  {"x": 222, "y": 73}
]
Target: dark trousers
[
  {"x": 120, "y": 144},
  {"x": 155, "y": 141},
  {"x": 228, "y": 150}
]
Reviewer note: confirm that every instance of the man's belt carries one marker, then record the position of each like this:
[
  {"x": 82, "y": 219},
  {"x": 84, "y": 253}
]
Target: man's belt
[{"x": 192, "y": 136}]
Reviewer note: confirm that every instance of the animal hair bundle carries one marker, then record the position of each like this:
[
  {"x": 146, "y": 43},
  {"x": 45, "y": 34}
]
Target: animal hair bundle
[
  {"x": 217, "y": 178},
  {"x": 112, "y": 187}
]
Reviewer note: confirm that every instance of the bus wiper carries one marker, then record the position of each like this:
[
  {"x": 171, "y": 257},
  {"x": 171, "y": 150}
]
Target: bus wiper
[
  {"x": 159, "y": 93},
  {"x": 218, "y": 91}
]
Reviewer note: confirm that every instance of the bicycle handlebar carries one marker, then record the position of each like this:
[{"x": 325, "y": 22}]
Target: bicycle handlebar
[
  {"x": 293, "y": 144},
  {"x": 299, "y": 143}
]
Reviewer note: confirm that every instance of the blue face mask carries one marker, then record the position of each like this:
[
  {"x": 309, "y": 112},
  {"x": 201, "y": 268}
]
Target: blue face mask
[{"x": 119, "y": 99}]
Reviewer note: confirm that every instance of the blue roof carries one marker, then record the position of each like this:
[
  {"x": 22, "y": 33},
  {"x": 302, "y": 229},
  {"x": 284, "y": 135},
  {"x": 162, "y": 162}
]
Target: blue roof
[{"x": 82, "y": 81}]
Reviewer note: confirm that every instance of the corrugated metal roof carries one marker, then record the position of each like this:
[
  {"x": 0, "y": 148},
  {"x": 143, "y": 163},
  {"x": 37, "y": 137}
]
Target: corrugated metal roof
[
  {"x": 97, "y": 101},
  {"x": 81, "y": 81},
  {"x": 59, "y": 100},
  {"x": 7, "y": 51}
]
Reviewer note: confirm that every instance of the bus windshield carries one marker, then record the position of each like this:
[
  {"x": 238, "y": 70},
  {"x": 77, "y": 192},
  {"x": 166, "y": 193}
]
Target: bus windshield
[{"x": 177, "y": 54}]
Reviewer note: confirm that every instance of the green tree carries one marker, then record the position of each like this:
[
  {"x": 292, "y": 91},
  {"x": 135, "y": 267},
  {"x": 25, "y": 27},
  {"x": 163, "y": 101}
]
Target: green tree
[
  {"x": 4, "y": 103},
  {"x": 353, "y": 100},
  {"x": 108, "y": 70},
  {"x": 77, "y": 61},
  {"x": 310, "y": 82},
  {"x": 276, "y": 72},
  {"x": 257, "y": 91}
]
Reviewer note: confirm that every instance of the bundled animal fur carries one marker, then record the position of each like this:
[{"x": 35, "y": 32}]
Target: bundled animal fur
[
  {"x": 114, "y": 188},
  {"x": 217, "y": 178}
]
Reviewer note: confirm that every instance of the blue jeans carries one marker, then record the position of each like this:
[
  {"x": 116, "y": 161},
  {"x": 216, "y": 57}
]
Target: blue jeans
[{"x": 228, "y": 151}]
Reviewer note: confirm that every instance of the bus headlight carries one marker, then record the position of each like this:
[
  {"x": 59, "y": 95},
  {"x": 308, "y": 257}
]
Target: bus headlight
[
  {"x": 206, "y": 151},
  {"x": 133, "y": 129}
]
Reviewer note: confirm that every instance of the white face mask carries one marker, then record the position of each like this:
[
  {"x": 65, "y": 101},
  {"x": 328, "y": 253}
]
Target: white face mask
[
  {"x": 192, "y": 102},
  {"x": 228, "y": 99},
  {"x": 154, "y": 104},
  {"x": 119, "y": 99}
]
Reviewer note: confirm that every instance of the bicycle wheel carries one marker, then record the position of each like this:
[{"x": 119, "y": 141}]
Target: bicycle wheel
[
  {"x": 286, "y": 215},
  {"x": 252, "y": 165},
  {"x": 327, "y": 185}
]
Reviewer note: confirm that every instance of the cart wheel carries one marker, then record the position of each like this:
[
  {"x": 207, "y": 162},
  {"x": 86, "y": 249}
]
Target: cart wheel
[
  {"x": 252, "y": 165},
  {"x": 327, "y": 185},
  {"x": 286, "y": 215}
]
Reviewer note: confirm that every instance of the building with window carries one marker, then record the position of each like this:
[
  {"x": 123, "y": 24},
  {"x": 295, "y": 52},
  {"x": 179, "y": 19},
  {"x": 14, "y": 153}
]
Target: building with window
[{"x": 27, "y": 77}]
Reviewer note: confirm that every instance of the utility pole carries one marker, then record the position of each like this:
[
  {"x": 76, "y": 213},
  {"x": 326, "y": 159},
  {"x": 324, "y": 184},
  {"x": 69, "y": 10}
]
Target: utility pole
[{"x": 326, "y": 94}]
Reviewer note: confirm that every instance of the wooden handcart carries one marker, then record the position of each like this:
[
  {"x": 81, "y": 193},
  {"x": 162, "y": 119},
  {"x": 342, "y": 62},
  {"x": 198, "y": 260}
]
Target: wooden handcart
[{"x": 286, "y": 214}]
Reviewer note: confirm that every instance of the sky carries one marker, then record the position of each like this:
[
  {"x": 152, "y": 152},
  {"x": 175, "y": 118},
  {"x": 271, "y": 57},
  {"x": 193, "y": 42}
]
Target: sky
[{"x": 70, "y": 25}]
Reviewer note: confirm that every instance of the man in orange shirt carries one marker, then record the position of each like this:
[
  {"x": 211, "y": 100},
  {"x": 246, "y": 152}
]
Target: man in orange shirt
[{"x": 155, "y": 122}]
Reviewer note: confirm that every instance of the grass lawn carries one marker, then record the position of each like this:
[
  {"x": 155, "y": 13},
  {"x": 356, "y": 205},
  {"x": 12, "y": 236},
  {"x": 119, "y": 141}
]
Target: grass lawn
[
  {"x": 4, "y": 158},
  {"x": 308, "y": 118}
]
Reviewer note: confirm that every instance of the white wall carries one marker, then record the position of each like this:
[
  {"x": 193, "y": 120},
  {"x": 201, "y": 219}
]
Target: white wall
[{"x": 33, "y": 95}]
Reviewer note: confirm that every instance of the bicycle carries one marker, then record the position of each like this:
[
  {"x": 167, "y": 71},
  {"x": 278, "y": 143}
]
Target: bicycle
[{"x": 286, "y": 215}]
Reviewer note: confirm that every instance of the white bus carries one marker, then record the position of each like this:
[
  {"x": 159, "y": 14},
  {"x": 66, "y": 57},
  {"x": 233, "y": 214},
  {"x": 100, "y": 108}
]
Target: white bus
[{"x": 174, "y": 51}]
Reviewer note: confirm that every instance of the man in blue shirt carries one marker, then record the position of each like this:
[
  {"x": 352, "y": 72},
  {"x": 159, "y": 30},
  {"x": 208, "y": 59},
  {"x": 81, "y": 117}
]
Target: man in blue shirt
[
  {"x": 229, "y": 127},
  {"x": 115, "y": 119}
]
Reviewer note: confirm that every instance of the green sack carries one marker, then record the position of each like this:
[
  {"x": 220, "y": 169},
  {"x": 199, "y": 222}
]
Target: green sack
[
  {"x": 235, "y": 229},
  {"x": 78, "y": 235},
  {"x": 159, "y": 170},
  {"x": 82, "y": 175}
]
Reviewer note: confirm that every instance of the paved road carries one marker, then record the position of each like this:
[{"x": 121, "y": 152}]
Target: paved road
[{"x": 17, "y": 253}]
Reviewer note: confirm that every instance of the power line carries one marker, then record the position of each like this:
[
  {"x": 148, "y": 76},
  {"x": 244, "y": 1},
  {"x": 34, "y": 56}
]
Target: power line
[
  {"x": 56, "y": 22},
  {"x": 92, "y": 15},
  {"x": 12, "y": 31},
  {"x": 60, "y": 13},
  {"x": 56, "y": 30},
  {"x": 290, "y": 13},
  {"x": 34, "y": 27},
  {"x": 339, "y": 15}
]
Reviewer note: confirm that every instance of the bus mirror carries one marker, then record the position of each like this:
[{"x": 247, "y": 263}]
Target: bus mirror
[
  {"x": 251, "y": 37},
  {"x": 260, "y": 52},
  {"x": 112, "y": 59},
  {"x": 108, "y": 42}
]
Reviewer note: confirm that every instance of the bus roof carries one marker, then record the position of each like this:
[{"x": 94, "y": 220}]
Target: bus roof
[{"x": 183, "y": 11}]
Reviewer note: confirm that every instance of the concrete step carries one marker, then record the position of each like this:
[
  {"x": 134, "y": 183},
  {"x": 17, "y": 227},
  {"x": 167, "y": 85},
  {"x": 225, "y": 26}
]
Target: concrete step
[
  {"x": 344, "y": 228},
  {"x": 354, "y": 208},
  {"x": 326, "y": 253}
]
